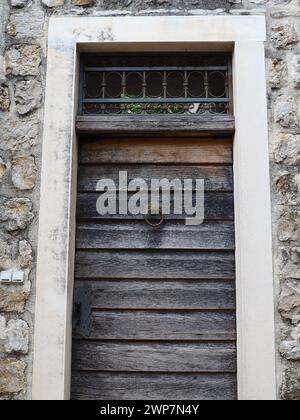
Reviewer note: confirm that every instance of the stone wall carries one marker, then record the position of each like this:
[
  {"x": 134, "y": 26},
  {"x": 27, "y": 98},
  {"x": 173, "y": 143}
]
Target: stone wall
[{"x": 23, "y": 60}]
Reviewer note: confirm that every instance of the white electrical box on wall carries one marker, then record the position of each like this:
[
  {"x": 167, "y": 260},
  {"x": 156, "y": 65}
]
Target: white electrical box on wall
[
  {"x": 6, "y": 277},
  {"x": 18, "y": 277},
  {"x": 12, "y": 277}
]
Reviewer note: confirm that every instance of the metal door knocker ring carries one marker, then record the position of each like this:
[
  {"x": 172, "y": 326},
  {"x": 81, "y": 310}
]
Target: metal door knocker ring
[{"x": 150, "y": 218}]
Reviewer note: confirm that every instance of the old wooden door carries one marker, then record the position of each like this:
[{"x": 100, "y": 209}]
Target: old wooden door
[{"x": 155, "y": 313}]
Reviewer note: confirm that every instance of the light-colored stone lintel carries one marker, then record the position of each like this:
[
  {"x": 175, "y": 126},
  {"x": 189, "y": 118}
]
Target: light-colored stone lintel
[{"x": 66, "y": 30}]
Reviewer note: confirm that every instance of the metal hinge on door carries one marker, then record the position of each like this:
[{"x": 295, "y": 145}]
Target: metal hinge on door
[{"x": 82, "y": 311}]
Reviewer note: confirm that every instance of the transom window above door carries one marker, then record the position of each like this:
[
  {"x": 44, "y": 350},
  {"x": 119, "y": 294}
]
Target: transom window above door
[{"x": 156, "y": 84}]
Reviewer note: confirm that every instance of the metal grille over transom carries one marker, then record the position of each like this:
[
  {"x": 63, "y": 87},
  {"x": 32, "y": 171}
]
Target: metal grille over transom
[{"x": 195, "y": 84}]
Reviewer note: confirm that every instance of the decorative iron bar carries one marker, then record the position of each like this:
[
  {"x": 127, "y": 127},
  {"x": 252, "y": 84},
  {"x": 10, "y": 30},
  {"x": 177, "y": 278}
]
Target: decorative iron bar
[{"x": 156, "y": 85}]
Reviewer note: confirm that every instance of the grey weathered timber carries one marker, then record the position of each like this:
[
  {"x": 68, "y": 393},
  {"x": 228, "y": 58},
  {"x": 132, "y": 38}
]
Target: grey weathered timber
[
  {"x": 175, "y": 150},
  {"x": 139, "y": 235},
  {"x": 155, "y": 265},
  {"x": 163, "y": 325},
  {"x": 142, "y": 294},
  {"x": 217, "y": 178},
  {"x": 162, "y": 316},
  {"x": 141, "y": 386},
  {"x": 218, "y": 206},
  {"x": 156, "y": 125},
  {"x": 154, "y": 357}
]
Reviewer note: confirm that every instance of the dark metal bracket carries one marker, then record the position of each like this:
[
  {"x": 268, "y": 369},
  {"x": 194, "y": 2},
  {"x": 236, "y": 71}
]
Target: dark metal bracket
[{"x": 82, "y": 310}]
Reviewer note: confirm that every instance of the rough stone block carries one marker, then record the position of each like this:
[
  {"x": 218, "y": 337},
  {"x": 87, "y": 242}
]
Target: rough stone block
[
  {"x": 284, "y": 36},
  {"x": 15, "y": 254},
  {"x": 4, "y": 98},
  {"x": 18, "y": 134},
  {"x": 13, "y": 298},
  {"x": 28, "y": 96},
  {"x": 289, "y": 226},
  {"x": 296, "y": 73},
  {"x": 6, "y": 250},
  {"x": 278, "y": 74},
  {"x": 289, "y": 300},
  {"x": 18, "y": 3},
  {"x": 287, "y": 149},
  {"x": 3, "y": 168},
  {"x": 286, "y": 112},
  {"x": 288, "y": 187},
  {"x": 26, "y": 23},
  {"x": 291, "y": 386},
  {"x": 12, "y": 376},
  {"x": 17, "y": 333},
  {"x": 23, "y": 60},
  {"x": 24, "y": 172},
  {"x": 25, "y": 257},
  {"x": 16, "y": 213},
  {"x": 290, "y": 350}
]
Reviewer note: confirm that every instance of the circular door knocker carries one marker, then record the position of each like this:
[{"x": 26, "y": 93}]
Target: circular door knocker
[{"x": 154, "y": 220}]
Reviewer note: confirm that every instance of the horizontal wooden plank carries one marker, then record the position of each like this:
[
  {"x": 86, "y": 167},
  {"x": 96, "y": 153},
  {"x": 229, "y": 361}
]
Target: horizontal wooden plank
[
  {"x": 156, "y": 151},
  {"x": 217, "y": 178},
  {"x": 139, "y": 235},
  {"x": 152, "y": 357},
  {"x": 152, "y": 265},
  {"x": 160, "y": 325},
  {"x": 134, "y": 386},
  {"x": 218, "y": 206},
  {"x": 164, "y": 125},
  {"x": 138, "y": 294}
]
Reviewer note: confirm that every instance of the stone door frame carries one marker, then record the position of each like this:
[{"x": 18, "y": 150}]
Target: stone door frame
[{"x": 68, "y": 36}]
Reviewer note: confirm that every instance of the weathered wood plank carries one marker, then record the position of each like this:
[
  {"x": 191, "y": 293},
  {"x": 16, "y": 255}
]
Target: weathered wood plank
[
  {"x": 156, "y": 151},
  {"x": 121, "y": 294},
  {"x": 139, "y": 235},
  {"x": 217, "y": 178},
  {"x": 218, "y": 206},
  {"x": 151, "y": 357},
  {"x": 160, "y": 325},
  {"x": 149, "y": 313},
  {"x": 134, "y": 386},
  {"x": 155, "y": 265},
  {"x": 155, "y": 125}
]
